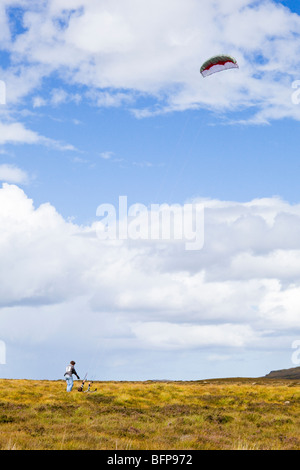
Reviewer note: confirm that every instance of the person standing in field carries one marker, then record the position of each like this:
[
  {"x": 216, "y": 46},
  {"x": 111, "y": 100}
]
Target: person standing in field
[{"x": 70, "y": 370}]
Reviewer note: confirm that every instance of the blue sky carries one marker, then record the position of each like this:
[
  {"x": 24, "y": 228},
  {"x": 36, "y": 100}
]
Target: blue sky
[
  {"x": 105, "y": 99},
  {"x": 169, "y": 158}
]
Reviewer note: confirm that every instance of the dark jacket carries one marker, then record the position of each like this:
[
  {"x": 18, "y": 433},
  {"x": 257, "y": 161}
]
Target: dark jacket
[{"x": 70, "y": 370}]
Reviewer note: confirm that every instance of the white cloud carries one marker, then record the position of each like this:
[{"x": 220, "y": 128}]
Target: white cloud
[
  {"x": 184, "y": 336},
  {"x": 101, "y": 31},
  {"x": 106, "y": 155},
  {"x": 17, "y": 133},
  {"x": 238, "y": 292},
  {"x": 13, "y": 174},
  {"x": 57, "y": 97},
  {"x": 38, "y": 102}
]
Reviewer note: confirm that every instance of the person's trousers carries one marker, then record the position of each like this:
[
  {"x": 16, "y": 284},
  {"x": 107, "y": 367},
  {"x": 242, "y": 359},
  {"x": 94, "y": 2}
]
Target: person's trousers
[{"x": 69, "y": 381}]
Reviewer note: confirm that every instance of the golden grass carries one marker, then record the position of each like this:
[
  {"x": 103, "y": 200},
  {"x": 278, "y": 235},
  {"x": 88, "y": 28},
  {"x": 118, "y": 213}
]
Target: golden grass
[{"x": 233, "y": 414}]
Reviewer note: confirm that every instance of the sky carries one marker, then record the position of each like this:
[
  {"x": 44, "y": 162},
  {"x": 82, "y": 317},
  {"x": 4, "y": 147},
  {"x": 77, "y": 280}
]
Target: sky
[{"x": 103, "y": 99}]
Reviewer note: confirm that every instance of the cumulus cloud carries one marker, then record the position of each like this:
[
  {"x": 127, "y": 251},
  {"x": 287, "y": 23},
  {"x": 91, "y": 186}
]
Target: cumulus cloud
[{"x": 240, "y": 291}]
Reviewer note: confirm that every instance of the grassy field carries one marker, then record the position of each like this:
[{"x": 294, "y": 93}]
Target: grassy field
[{"x": 232, "y": 414}]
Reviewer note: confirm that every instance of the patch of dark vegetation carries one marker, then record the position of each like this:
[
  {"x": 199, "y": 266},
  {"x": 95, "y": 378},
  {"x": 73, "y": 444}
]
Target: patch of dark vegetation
[
  {"x": 219, "y": 418},
  {"x": 56, "y": 408},
  {"x": 34, "y": 431},
  {"x": 100, "y": 399},
  {"x": 4, "y": 419},
  {"x": 179, "y": 410},
  {"x": 10, "y": 406},
  {"x": 122, "y": 410}
]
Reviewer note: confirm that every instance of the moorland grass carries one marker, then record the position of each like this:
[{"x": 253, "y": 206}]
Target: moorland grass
[{"x": 232, "y": 414}]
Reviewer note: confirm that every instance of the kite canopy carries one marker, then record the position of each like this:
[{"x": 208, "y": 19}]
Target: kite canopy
[{"x": 217, "y": 64}]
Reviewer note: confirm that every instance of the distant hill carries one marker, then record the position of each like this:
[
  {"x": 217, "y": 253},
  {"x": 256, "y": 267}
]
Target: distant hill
[{"x": 293, "y": 374}]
